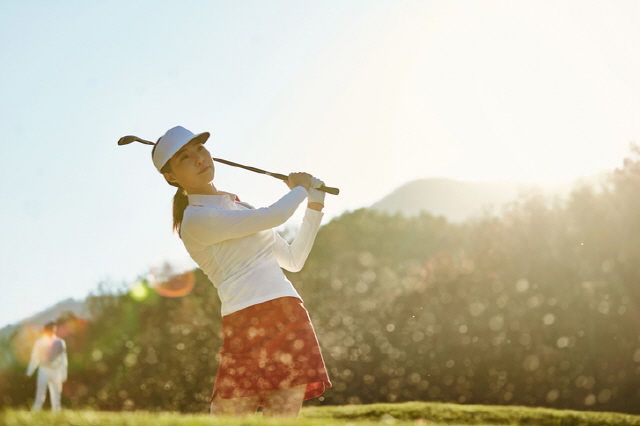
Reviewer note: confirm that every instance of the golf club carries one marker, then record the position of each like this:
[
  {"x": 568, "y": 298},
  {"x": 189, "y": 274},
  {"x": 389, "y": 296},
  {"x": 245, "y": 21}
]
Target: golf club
[{"x": 125, "y": 140}]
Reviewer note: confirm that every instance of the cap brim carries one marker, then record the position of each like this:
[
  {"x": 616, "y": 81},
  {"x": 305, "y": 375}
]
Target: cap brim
[{"x": 201, "y": 137}]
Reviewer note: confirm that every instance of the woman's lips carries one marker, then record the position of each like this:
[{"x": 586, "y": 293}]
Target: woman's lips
[{"x": 204, "y": 170}]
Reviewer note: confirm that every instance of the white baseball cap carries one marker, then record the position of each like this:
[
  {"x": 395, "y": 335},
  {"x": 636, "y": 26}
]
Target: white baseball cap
[{"x": 172, "y": 142}]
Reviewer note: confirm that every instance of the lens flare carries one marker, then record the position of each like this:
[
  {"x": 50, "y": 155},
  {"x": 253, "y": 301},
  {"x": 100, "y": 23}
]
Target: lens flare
[
  {"x": 70, "y": 325},
  {"x": 167, "y": 283},
  {"x": 27, "y": 334},
  {"x": 23, "y": 341}
]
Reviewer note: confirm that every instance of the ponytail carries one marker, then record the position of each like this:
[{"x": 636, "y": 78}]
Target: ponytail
[{"x": 180, "y": 201}]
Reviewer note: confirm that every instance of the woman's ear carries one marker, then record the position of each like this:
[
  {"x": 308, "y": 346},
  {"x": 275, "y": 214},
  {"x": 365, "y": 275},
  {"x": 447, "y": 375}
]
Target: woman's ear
[{"x": 170, "y": 177}]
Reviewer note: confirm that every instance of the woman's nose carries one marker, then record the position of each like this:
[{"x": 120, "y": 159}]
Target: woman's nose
[{"x": 199, "y": 157}]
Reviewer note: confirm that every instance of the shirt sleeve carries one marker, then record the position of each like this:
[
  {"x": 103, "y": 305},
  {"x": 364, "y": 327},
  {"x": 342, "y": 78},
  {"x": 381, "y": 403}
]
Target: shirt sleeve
[
  {"x": 65, "y": 362},
  {"x": 35, "y": 359},
  {"x": 293, "y": 256},
  {"x": 211, "y": 226}
]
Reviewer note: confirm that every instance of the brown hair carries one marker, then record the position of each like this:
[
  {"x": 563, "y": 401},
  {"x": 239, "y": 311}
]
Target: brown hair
[{"x": 180, "y": 201}]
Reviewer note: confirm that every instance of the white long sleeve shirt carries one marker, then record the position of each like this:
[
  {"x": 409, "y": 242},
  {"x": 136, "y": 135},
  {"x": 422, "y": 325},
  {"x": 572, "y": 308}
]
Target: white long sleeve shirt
[
  {"x": 241, "y": 253},
  {"x": 49, "y": 352}
]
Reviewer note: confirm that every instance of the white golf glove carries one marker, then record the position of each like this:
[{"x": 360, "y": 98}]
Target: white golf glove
[{"x": 316, "y": 196}]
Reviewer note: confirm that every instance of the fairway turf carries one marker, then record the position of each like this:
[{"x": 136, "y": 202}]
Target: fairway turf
[{"x": 403, "y": 414}]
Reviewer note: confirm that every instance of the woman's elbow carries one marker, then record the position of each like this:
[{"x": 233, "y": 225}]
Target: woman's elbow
[
  {"x": 276, "y": 218},
  {"x": 294, "y": 267}
]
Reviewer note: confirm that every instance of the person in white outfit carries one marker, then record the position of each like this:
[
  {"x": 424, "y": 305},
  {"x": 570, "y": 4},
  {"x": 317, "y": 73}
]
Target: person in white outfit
[{"x": 50, "y": 354}]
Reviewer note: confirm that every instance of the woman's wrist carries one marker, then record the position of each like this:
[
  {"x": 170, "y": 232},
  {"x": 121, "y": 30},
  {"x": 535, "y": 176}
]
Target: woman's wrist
[{"x": 315, "y": 206}]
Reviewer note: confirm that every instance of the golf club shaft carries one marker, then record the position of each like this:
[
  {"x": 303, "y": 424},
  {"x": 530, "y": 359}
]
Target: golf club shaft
[{"x": 329, "y": 190}]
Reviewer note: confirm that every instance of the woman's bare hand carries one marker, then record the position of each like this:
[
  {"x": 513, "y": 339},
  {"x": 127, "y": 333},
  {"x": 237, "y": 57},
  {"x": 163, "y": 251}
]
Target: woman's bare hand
[{"x": 299, "y": 179}]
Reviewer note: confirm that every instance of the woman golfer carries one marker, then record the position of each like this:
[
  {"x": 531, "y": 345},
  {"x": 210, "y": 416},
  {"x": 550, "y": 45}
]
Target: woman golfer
[{"x": 270, "y": 354}]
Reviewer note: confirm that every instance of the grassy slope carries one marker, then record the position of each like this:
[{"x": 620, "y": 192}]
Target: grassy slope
[
  {"x": 474, "y": 414},
  {"x": 413, "y": 413}
]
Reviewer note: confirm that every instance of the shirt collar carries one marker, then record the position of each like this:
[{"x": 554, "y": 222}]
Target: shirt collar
[{"x": 212, "y": 200}]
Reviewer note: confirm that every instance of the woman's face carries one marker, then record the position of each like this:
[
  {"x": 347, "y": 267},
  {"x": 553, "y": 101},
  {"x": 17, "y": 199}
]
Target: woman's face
[{"x": 191, "y": 168}]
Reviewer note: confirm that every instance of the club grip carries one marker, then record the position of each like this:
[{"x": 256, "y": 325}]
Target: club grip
[{"x": 329, "y": 190}]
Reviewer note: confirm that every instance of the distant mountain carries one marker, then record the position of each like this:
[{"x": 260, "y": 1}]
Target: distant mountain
[
  {"x": 457, "y": 200},
  {"x": 79, "y": 309}
]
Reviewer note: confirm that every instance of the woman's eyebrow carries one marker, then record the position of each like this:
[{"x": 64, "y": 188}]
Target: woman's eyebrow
[{"x": 184, "y": 148}]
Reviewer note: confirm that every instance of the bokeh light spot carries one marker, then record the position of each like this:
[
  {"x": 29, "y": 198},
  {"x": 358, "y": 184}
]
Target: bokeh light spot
[
  {"x": 522, "y": 285},
  {"x": 139, "y": 291}
]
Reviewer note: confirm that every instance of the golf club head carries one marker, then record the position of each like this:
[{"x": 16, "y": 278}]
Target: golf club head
[{"x": 126, "y": 140}]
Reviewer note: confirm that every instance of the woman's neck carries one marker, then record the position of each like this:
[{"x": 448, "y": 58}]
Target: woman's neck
[{"x": 208, "y": 189}]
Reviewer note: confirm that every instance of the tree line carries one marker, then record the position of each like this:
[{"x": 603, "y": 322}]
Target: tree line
[{"x": 538, "y": 305}]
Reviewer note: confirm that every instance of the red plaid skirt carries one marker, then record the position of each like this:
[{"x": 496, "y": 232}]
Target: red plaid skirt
[{"x": 267, "y": 347}]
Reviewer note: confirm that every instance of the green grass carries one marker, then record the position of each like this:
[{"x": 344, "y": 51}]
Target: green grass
[{"x": 405, "y": 414}]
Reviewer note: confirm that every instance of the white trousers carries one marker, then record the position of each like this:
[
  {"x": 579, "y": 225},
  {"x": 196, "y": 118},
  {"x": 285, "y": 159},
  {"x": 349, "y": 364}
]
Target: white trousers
[{"x": 48, "y": 378}]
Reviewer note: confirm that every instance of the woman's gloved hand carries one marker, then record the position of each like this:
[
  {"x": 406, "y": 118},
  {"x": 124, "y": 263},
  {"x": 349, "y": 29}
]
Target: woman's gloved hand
[{"x": 316, "y": 196}]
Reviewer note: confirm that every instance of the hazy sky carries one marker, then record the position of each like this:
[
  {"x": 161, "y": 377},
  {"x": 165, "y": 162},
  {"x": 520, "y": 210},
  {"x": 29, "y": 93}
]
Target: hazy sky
[{"x": 366, "y": 95}]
